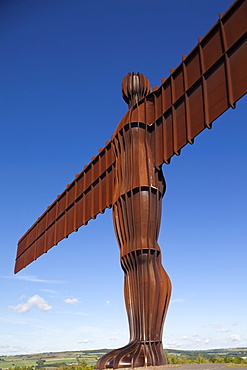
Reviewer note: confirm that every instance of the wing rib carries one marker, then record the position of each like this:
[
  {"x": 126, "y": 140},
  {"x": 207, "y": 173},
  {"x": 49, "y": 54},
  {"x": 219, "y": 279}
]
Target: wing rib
[
  {"x": 89, "y": 194},
  {"x": 211, "y": 79},
  {"x": 208, "y": 81}
]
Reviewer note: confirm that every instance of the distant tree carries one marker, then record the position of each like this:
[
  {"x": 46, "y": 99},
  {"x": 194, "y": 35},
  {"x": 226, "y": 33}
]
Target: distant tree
[
  {"x": 201, "y": 360},
  {"x": 216, "y": 359},
  {"x": 234, "y": 359},
  {"x": 82, "y": 362},
  {"x": 77, "y": 367},
  {"x": 21, "y": 368},
  {"x": 40, "y": 363}
]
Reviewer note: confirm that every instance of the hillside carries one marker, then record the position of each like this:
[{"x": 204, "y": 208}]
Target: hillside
[
  {"x": 190, "y": 354},
  {"x": 90, "y": 357}
]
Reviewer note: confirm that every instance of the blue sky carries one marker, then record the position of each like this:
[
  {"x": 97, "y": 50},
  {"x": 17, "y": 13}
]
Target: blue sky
[{"x": 61, "y": 67}]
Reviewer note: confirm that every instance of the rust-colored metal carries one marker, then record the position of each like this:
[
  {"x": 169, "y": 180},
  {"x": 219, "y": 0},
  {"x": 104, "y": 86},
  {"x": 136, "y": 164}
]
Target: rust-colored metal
[
  {"x": 138, "y": 190},
  {"x": 126, "y": 175}
]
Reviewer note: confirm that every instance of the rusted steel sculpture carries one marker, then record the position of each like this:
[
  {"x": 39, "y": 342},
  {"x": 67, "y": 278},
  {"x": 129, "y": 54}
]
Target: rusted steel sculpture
[
  {"x": 126, "y": 175},
  {"x": 137, "y": 198}
]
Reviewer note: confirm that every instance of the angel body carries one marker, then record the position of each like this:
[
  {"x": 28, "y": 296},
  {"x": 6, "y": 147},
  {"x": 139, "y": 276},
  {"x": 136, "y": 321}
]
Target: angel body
[{"x": 138, "y": 190}]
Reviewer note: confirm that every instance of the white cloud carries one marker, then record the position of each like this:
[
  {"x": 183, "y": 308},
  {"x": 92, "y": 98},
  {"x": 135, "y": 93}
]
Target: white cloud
[
  {"x": 215, "y": 325},
  {"x": 235, "y": 338},
  {"x": 197, "y": 340},
  {"x": 49, "y": 291},
  {"x": 172, "y": 344},
  {"x": 33, "y": 279},
  {"x": 35, "y": 301},
  {"x": 177, "y": 300},
  {"x": 71, "y": 300},
  {"x": 206, "y": 341},
  {"x": 222, "y": 330},
  {"x": 108, "y": 303},
  {"x": 85, "y": 341}
]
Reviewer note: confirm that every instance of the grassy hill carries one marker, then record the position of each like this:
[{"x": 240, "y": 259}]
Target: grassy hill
[
  {"x": 230, "y": 352},
  {"x": 90, "y": 357}
]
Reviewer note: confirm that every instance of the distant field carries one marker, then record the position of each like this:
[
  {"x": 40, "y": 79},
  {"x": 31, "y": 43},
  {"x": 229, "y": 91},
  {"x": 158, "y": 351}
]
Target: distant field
[
  {"x": 91, "y": 357},
  {"x": 51, "y": 358}
]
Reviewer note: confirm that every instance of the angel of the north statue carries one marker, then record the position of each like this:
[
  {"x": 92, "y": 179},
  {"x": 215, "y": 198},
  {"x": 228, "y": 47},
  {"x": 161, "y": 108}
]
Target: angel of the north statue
[{"x": 127, "y": 176}]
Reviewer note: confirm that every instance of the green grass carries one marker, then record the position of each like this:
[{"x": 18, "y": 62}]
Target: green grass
[{"x": 91, "y": 357}]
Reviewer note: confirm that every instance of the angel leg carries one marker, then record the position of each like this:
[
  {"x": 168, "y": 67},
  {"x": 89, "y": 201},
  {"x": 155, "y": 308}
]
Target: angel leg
[{"x": 147, "y": 287}]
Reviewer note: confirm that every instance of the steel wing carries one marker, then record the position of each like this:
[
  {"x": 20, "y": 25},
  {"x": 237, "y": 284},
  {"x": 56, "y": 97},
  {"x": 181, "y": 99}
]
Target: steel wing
[{"x": 211, "y": 79}]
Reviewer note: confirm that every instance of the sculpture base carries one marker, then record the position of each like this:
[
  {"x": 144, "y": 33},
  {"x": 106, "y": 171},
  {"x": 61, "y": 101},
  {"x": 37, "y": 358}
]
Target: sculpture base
[{"x": 135, "y": 354}]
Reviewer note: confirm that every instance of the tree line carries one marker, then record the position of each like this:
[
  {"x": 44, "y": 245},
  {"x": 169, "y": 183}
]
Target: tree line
[
  {"x": 173, "y": 359},
  {"x": 183, "y": 359}
]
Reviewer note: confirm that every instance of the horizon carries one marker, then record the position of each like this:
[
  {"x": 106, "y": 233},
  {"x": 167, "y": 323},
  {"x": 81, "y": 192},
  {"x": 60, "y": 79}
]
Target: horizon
[
  {"x": 103, "y": 349},
  {"x": 62, "y": 67}
]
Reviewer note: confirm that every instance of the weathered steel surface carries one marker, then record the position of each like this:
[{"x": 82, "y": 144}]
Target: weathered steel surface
[
  {"x": 207, "y": 82},
  {"x": 137, "y": 202},
  {"x": 89, "y": 194}
]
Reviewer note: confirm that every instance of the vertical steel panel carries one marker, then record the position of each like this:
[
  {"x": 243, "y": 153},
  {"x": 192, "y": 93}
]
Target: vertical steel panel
[
  {"x": 102, "y": 161},
  {"x": 79, "y": 212},
  {"x": 103, "y": 191},
  {"x": 187, "y": 107},
  {"x": 204, "y": 88},
  {"x": 96, "y": 197},
  {"x": 197, "y": 123},
  {"x": 238, "y": 67},
  {"x": 61, "y": 204},
  {"x": 70, "y": 221},
  {"x": 179, "y": 126},
  {"x": 92, "y": 191},
  {"x": 167, "y": 95},
  {"x": 87, "y": 176},
  {"x": 193, "y": 69},
  {"x": 168, "y": 136},
  {"x": 235, "y": 22},
  {"x": 95, "y": 169},
  {"x": 158, "y": 109},
  {"x": 19, "y": 263},
  {"x": 42, "y": 224},
  {"x": 40, "y": 245},
  {"x": 216, "y": 91},
  {"x": 227, "y": 66},
  {"x": 31, "y": 236},
  {"x": 87, "y": 206},
  {"x": 158, "y": 141},
  {"x": 80, "y": 184},
  {"x": 178, "y": 83},
  {"x": 108, "y": 154},
  {"x": 22, "y": 246},
  {"x": 60, "y": 234},
  {"x": 109, "y": 186},
  {"x": 70, "y": 194},
  {"x": 50, "y": 237},
  {"x": 51, "y": 214},
  {"x": 29, "y": 256},
  {"x": 212, "y": 47}
]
